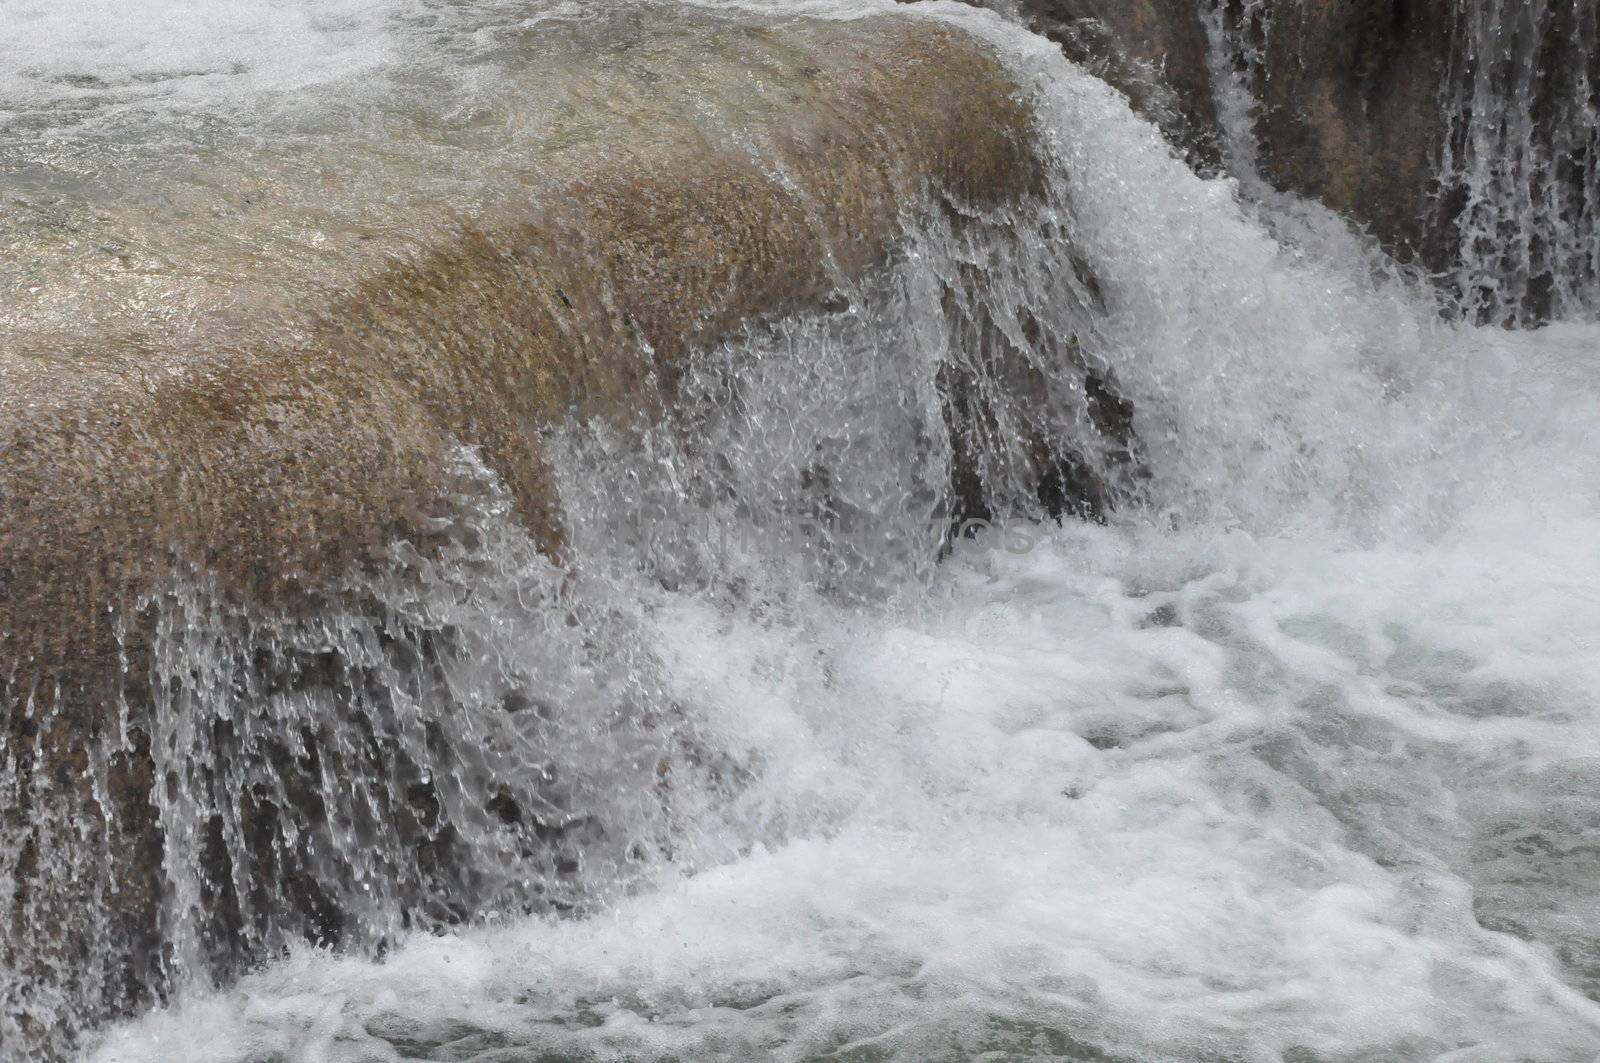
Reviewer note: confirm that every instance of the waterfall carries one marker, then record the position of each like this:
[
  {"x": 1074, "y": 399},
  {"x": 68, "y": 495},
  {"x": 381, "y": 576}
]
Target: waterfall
[
  {"x": 1516, "y": 185},
  {"x": 1122, "y": 622},
  {"x": 471, "y": 725},
  {"x": 487, "y": 735},
  {"x": 1519, "y": 169},
  {"x": 1236, "y": 33}
]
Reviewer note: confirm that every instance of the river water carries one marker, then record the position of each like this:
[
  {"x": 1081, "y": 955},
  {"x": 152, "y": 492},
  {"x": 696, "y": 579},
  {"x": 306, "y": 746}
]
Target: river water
[{"x": 1295, "y": 758}]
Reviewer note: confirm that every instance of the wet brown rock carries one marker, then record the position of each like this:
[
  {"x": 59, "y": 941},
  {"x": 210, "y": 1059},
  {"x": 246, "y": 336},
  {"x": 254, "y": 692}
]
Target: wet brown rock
[
  {"x": 1351, "y": 111},
  {"x": 262, "y": 378}
]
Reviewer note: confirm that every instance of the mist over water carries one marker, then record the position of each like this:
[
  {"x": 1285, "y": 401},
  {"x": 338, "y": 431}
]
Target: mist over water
[{"x": 1296, "y": 757}]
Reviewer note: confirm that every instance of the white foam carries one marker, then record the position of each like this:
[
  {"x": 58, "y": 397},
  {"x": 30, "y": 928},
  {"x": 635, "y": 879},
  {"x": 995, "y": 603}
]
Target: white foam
[{"x": 939, "y": 850}]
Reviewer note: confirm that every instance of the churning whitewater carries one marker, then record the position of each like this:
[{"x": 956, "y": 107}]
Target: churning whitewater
[{"x": 1294, "y": 758}]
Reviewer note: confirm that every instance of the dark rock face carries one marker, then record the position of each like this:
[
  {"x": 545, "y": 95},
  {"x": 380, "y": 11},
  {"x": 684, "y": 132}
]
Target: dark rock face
[
  {"x": 994, "y": 400},
  {"x": 1154, "y": 51},
  {"x": 1520, "y": 165},
  {"x": 1350, "y": 110},
  {"x": 1460, "y": 133}
]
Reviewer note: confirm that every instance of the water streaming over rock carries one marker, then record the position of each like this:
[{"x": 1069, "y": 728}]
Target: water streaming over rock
[
  {"x": 1237, "y": 32},
  {"x": 1293, "y": 758},
  {"x": 487, "y": 734},
  {"x": 281, "y": 399},
  {"x": 1520, "y": 164},
  {"x": 1508, "y": 91}
]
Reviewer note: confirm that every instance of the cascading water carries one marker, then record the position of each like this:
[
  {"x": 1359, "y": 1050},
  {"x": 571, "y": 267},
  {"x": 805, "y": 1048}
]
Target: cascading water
[
  {"x": 1516, "y": 182},
  {"x": 1236, "y": 34},
  {"x": 1293, "y": 758},
  {"x": 215, "y": 769},
  {"x": 488, "y": 734},
  {"x": 1520, "y": 167}
]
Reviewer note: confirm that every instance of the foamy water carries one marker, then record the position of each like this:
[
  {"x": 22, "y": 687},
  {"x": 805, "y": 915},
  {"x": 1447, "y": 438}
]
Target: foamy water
[
  {"x": 1189, "y": 796},
  {"x": 1297, "y": 760}
]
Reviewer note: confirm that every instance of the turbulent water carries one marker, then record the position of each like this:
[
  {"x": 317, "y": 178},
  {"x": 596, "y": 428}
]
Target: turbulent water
[{"x": 1296, "y": 757}]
